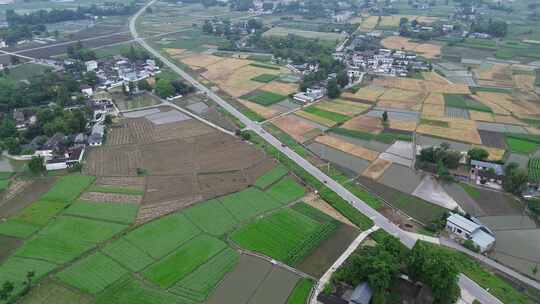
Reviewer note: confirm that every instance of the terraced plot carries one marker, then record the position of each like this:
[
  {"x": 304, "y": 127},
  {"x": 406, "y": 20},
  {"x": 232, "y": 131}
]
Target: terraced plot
[
  {"x": 248, "y": 203},
  {"x": 127, "y": 254},
  {"x": 198, "y": 284},
  {"x": 286, "y": 190},
  {"x": 184, "y": 260},
  {"x": 211, "y": 217},
  {"x": 118, "y": 212},
  {"x": 271, "y": 176},
  {"x": 129, "y": 290},
  {"x": 93, "y": 274},
  {"x": 162, "y": 236},
  {"x": 286, "y": 235},
  {"x": 16, "y": 228}
]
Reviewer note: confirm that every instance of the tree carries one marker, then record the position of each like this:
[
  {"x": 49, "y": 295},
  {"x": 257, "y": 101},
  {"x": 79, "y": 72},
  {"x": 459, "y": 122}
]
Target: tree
[
  {"x": 478, "y": 154},
  {"x": 164, "y": 88},
  {"x": 7, "y": 127},
  {"x": 515, "y": 179},
  {"x": 36, "y": 165},
  {"x": 436, "y": 268},
  {"x": 385, "y": 116},
  {"x": 91, "y": 78},
  {"x": 143, "y": 85},
  {"x": 333, "y": 89},
  {"x": 342, "y": 79},
  {"x": 7, "y": 289}
]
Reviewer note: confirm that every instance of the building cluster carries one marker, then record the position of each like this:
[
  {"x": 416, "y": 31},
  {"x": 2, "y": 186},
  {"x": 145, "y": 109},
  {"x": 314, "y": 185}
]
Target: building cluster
[
  {"x": 113, "y": 72},
  {"x": 62, "y": 151},
  {"x": 382, "y": 62}
]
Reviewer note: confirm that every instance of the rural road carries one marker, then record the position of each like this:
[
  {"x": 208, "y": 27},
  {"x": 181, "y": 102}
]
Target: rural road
[{"x": 378, "y": 219}]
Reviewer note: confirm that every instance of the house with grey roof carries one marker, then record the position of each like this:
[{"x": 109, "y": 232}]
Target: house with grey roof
[{"x": 463, "y": 229}]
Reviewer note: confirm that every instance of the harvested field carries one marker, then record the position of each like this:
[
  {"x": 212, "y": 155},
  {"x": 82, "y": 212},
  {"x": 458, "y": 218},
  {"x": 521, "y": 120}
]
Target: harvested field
[
  {"x": 503, "y": 103},
  {"x": 366, "y": 94},
  {"x": 506, "y": 119},
  {"x": 126, "y": 181},
  {"x": 174, "y": 52},
  {"x": 348, "y": 163},
  {"x": 495, "y": 74},
  {"x": 421, "y": 85},
  {"x": 524, "y": 82},
  {"x": 427, "y": 50},
  {"x": 347, "y": 147},
  {"x": 266, "y": 112},
  {"x": 222, "y": 69},
  {"x": 481, "y": 116},
  {"x": 403, "y": 125},
  {"x": 435, "y": 77},
  {"x": 324, "y": 207},
  {"x": 487, "y": 99},
  {"x": 364, "y": 123},
  {"x": 342, "y": 107},
  {"x": 458, "y": 129},
  {"x": 433, "y": 110},
  {"x": 296, "y": 127},
  {"x": 216, "y": 184},
  {"x": 241, "y": 82},
  {"x": 400, "y": 95},
  {"x": 201, "y": 60},
  {"x": 111, "y": 197},
  {"x": 284, "y": 32},
  {"x": 280, "y": 87},
  {"x": 114, "y": 161},
  {"x": 434, "y": 99},
  {"x": 369, "y": 23},
  {"x": 376, "y": 168}
]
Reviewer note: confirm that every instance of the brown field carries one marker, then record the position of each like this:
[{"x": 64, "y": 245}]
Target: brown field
[
  {"x": 175, "y": 52},
  {"x": 201, "y": 60},
  {"x": 111, "y": 197},
  {"x": 280, "y": 87},
  {"x": 506, "y": 119},
  {"x": 222, "y": 69},
  {"x": 266, "y": 112},
  {"x": 317, "y": 119},
  {"x": 459, "y": 129},
  {"x": 347, "y": 147},
  {"x": 369, "y": 23},
  {"x": 498, "y": 74},
  {"x": 376, "y": 168},
  {"x": 427, "y": 50},
  {"x": 421, "y": 85},
  {"x": 509, "y": 104},
  {"x": 296, "y": 127},
  {"x": 365, "y": 124},
  {"x": 435, "y": 99},
  {"x": 400, "y": 105},
  {"x": 533, "y": 130},
  {"x": 435, "y": 77},
  {"x": 369, "y": 94},
  {"x": 239, "y": 82},
  {"x": 403, "y": 96},
  {"x": 434, "y": 110},
  {"x": 403, "y": 125},
  {"x": 316, "y": 202},
  {"x": 524, "y": 82},
  {"x": 185, "y": 162},
  {"x": 481, "y": 116},
  {"x": 486, "y": 99},
  {"x": 344, "y": 107}
]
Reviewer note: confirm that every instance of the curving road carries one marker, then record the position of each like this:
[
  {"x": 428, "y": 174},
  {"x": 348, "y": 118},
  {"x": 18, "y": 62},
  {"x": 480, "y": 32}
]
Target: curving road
[{"x": 406, "y": 238}]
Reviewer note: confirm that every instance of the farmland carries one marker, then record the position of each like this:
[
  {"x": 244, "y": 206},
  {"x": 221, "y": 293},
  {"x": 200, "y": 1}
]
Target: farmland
[{"x": 283, "y": 32}]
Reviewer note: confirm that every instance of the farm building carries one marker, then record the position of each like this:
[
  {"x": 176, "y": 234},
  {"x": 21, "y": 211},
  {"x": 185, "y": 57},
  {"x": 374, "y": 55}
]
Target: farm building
[
  {"x": 96, "y": 138},
  {"x": 311, "y": 95},
  {"x": 487, "y": 174},
  {"x": 465, "y": 229},
  {"x": 69, "y": 159}
]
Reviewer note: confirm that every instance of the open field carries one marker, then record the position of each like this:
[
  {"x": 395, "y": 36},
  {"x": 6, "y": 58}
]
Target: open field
[
  {"x": 420, "y": 85},
  {"x": 249, "y": 203},
  {"x": 198, "y": 285},
  {"x": 129, "y": 290},
  {"x": 301, "y": 292},
  {"x": 364, "y": 123},
  {"x": 92, "y": 274},
  {"x": 183, "y": 261},
  {"x": 296, "y": 127},
  {"x": 427, "y": 50},
  {"x": 376, "y": 168},
  {"x": 286, "y": 235},
  {"x": 286, "y": 190},
  {"x": 271, "y": 177},
  {"x": 211, "y": 217},
  {"x": 346, "y": 147},
  {"x": 365, "y": 94},
  {"x": 342, "y": 107},
  {"x": 53, "y": 292},
  {"x": 283, "y": 32},
  {"x": 117, "y": 212},
  {"x": 316, "y": 118},
  {"x": 127, "y": 254},
  {"x": 264, "y": 98},
  {"x": 325, "y": 113},
  {"x": 263, "y": 111}
]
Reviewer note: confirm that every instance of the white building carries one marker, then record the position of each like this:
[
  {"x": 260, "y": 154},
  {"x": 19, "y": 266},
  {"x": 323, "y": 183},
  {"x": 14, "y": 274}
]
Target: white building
[
  {"x": 465, "y": 229},
  {"x": 311, "y": 95},
  {"x": 91, "y": 65}
]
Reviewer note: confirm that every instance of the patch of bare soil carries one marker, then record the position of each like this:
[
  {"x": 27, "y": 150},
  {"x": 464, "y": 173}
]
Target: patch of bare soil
[{"x": 111, "y": 197}]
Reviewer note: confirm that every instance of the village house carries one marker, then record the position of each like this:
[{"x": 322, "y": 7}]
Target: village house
[
  {"x": 487, "y": 174},
  {"x": 463, "y": 229},
  {"x": 70, "y": 158},
  {"x": 96, "y": 137},
  {"x": 310, "y": 95},
  {"x": 91, "y": 65},
  {"x": 55, "y": 143}
]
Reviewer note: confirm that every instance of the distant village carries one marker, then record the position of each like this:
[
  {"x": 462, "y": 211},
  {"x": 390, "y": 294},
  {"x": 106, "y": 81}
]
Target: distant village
[{"x": 62, "y": 151}]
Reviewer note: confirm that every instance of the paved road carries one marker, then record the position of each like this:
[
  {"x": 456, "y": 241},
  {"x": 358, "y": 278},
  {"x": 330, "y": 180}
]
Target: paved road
[
  {"x": 378, "y": 219},
  {"x": 328, "y": 274}
]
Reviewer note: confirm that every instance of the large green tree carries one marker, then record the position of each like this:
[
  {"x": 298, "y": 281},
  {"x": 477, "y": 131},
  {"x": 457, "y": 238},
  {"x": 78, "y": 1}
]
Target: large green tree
[
  {"x": 436, "y": 268},
  {"x": 515, "y": 179},
  {"x": 164, "y": 88}
]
